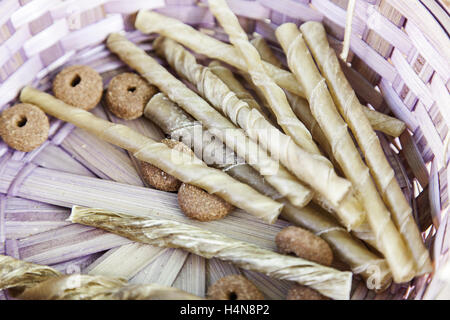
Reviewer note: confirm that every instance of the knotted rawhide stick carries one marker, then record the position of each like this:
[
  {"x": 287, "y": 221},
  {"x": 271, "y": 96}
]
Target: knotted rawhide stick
[
  {"x": 388, "y": 238},
  {"x": 164, "y": 233},
  {"x": 351, "y": 110},
  {"x": 180, "y": 126},
  {"x": 236, "y": 139},
  {"x": 313, "y": 169},
  {"x": 29, "y": 281},
  {"x": 255, "y": 67},
  {"x": 188, "y": 169}
]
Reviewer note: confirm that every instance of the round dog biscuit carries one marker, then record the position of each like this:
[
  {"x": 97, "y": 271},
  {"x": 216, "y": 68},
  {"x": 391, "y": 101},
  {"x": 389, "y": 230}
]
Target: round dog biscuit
[
  {"x": 79, "y": 86},
  {"x": 234, "y": 287},
  {"x": 304, "y": 244},
  {"x": 127, "y": 95},
  {"x": 24, "y": 127},
  {"x": 198, "y": 204},
  {"x": 299, "y": 292}
]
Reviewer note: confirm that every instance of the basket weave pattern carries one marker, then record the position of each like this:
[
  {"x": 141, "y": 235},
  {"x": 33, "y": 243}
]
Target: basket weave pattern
[{"x": 400, "y": 65}]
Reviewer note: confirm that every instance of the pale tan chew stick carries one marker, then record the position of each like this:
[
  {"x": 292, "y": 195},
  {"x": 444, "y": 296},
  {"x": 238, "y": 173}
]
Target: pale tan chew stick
[
  {"x": 20, "y": 274},
  {"x": 313, "y": 169},
  {"x": 235, "y": 85},
  {"x": 218, "y": 125},
  {"x": 384, "y": 123},
  {"x": 349, "y": 208},
  {"x": 378, "y": 120},
  {"x": 188, "y": 169},
  {"x": 96, "y": 287},
  {"x": 228, "y": 78},
  {"x": 345, "y": 209},
  {"x": 389, "y": 240},
  {"x": 152, "y": 22},
  {"x": 164, "y": 233},
  {"x": 255, "y": 67},
  {"x": 31, "y": 281},
  {"x": 351, "y": 110},
  {"x": 180, "y": 126}
]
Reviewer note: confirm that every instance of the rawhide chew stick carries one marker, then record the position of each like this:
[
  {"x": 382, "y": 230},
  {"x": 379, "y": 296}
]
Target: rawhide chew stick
[
  {"x": 153, "y": 22},
  {"x": 179, "y": 125},
  {"x": 328, "y": 281},
  {"x": 20, "y": 275},
  {"x": 313, "y": 169},
  {"x": 188, "y": 169},
  {"x": 379, "y": 121},
  {"x": 255, "y": 67},
  {"x": 388, "y": 238},
  {"x": 351, "y": 110},
  {"x": 29, "y": 281},
  {"x": 348, "y": 208},
  {"x": 89, "y": 287},
  {"x": 217, "y": 124},
  {"x": 264, "y": 50},
  {"x": 384, "y": 123}
]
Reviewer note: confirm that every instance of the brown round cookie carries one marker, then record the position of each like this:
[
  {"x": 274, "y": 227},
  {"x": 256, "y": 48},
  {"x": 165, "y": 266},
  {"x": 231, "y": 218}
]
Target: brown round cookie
[
  {"x": 198, "y": 204},
  {"x": 24, "y": 127},
  {"x": 156, "y": 177},
  {"x": 299, "y": 292},
  {"x": 127, "y": 95},
  {"x": 79, "y": 86},
  {"x": 304, "y": 244},
  {"x": 234, "y": 287}
]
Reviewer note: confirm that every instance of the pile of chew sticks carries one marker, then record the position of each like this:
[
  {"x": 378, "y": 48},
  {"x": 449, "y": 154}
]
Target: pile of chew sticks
[{"x": 292, "y": 156}]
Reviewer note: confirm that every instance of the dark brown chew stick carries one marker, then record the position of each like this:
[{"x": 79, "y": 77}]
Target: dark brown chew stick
[
  {"x": 127, "y": 95},
  {"x": 200, "y": 205},
  {"x": 24, "y": 127},
  {"x": 304, "y": 244},
  {"x": 79, "y": 86},
  {"x": 299, "y": 292},
  {"x": 234, "y": 287}
]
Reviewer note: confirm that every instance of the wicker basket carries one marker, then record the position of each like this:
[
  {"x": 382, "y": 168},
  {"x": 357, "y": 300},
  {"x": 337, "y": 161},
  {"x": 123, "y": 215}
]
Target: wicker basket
[{"x": 399, "y": 55}]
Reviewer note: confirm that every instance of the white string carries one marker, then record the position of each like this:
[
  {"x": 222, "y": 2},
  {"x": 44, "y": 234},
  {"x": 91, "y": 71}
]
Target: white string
[{"x": 348, "y": 30}]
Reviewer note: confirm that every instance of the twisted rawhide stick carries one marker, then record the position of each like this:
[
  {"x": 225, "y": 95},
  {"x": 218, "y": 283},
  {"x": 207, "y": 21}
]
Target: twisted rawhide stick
[
  {"x": 351, "y": 110},
  {"x": 29, "y": 281},
  {"x": 328, "y": 281},
  {"x": 188, "y": 169},
  {"x": 388, "y": 238},
  {"x": 313, "y": 169},
  {"x": 278, "y": 176},
  {"x": 180, "y": 126},
  {"x": 241, "y": 92},
  {"x": 265, "y": 51},
  {"x": 153, "y": 22},
  {"x": 349, "y": 208}
]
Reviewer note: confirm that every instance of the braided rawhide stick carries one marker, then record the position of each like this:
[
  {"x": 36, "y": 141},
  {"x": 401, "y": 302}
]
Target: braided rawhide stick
[{"x": 29, "y": 281}]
